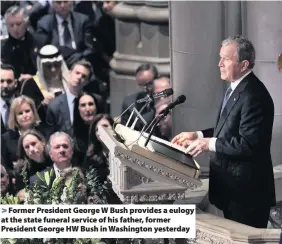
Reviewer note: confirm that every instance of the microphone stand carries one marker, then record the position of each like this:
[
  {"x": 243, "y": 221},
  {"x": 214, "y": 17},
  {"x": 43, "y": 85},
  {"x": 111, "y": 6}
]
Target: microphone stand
[{"x": 162, "y": 116}]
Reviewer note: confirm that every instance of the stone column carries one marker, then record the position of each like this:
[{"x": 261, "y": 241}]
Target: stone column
[
  {"x": 141, "y": 36},
  {"x": 195, "y": 36},
  {"x": 263, "y": 27}
]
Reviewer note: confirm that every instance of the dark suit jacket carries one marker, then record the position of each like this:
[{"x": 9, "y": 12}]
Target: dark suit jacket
[
  {"x": 20, "y": 54},
  {"x": 241, "y": 171},
  {"x": 58, "y": 115},
  {"x": 47, "y": 33},
  {"x": 148, "y": 113}
]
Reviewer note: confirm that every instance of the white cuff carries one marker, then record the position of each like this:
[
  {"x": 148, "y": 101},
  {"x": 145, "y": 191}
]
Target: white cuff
[
  {"x": 212, "y": 143},
  {"x": 200, "y": 134}
]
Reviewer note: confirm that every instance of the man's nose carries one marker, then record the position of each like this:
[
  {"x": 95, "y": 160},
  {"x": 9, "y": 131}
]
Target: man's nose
[
  {"x": 53, "y": 69},
  {"x": 220, "y": 64}
]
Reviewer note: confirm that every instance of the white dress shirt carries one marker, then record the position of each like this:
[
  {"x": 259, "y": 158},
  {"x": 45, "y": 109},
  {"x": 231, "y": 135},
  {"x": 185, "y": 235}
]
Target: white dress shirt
[
  {"x": 58, "y": 172},
  {"x": 212, "y": 141},
  {"x": 70, "y": 98},
  {"x": 61, "y": 29}
]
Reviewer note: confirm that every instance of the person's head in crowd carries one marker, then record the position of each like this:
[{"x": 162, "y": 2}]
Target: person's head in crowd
[
  {"x": 5, "y": 180},
  {"x": 31, "y": 146},
  {"x": 79, "y": 76},
  {"x": 87, "y": 107},
  {"x": 165, "y": 125},
  {"x": 237, "y": 57},
  {"x": 52, "y": 69},
  {"x": 16, "y": 22},
  {"x": 160, "y": 85},
  {"x": 5, "y": 5},
  {"x": 108, "y": 6},
  {"x": 145, "y": 76},
  {"x": 103, "y": 120},
  {"x": 60, "y": 149},
  {"x": 9, "y": 83},
  {"x": 23, "y": 114},
  {"x": 63, "y": 8}
]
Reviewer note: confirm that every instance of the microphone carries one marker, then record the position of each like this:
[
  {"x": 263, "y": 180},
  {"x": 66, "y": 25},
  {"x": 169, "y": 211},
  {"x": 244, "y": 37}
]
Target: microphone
[
  {"x": 164, "y": 93},
  {"x": 179, "y": 100},
  {"x": 163, "y": 114}
]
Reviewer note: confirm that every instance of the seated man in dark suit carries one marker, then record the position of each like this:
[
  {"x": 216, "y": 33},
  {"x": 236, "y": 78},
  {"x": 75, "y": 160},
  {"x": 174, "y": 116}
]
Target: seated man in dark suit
[
  {"x": 19, "y": 49},
  {"x": 60, "y": 110},
  {"x": 68, "y": 30},
  {"x": 60, "y": 150},
  {"x": 145, "y": 76}
]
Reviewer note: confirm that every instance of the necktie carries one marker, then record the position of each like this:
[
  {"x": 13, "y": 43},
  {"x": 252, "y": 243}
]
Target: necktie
[
  {"x": 67, "y": 34},
  {"x": 7, "y": 105},
  {"x": 226, "y": 97}
]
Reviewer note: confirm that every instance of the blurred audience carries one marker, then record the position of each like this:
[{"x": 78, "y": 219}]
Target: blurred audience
[
  {"x": 145, "y": 76},
  {"x": 11, "y": 88},
  {"x": 60, "y": 150},
  {"x": 23, "y": 116},
  {"x": 60, "y": 111},
  {"x": 68, "y": 30},
  {"x": 19, "y": 49},
  {"x": 85, "y": 110},
  {"x": 32, "y": 158},
  {"x": 7, "y": 186},
  {"x": 52, "y": 74},
  {"x": 96, "y": 157}
]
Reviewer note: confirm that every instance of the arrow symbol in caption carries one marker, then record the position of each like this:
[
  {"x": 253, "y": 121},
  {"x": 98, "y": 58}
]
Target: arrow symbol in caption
[{"x": 4, "y": 210}]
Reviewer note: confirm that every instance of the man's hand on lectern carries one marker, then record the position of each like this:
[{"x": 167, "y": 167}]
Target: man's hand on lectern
[
  {"x": 198, "y": 146},
  {"x": 184, "y": 139}
]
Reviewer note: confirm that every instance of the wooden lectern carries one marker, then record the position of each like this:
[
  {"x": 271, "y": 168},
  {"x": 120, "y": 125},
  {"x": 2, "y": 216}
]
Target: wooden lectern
[{"x": 158, "y": 172}]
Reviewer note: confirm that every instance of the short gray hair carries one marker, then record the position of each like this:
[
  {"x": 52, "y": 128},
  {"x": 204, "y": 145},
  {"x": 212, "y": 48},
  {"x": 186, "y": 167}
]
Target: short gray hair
[
  {"x": 245, "y": 49},
  {"x": 57, "y": 134},
  {"x": 14, "y": 10}
]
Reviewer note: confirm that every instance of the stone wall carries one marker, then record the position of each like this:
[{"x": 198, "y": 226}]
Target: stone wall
[{"x": 142, "y": 35}]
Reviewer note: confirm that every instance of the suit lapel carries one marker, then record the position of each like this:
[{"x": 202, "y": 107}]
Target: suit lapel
[
  {"x": 234, "y": 98},
  {"x": 75, "y": 27},
  {"x": 64, "y": 108},
  {"x": 55, "y": 37}
]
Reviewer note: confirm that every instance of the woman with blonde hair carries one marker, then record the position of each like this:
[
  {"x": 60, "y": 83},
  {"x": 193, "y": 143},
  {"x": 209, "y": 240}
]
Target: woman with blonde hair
[{"x": 23, "y": 116}]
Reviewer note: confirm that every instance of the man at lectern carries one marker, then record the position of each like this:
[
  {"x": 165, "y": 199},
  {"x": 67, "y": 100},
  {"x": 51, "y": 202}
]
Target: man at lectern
[{"x": 241, "y": 172}]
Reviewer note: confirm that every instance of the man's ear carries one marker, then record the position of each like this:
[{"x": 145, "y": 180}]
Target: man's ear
[{"x": 245, "y": 65}]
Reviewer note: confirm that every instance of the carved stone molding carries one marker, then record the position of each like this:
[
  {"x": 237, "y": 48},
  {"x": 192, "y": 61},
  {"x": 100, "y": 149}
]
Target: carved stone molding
[
  {"x": 134, "y": 178},
  {"x": 127, "y": 64},
  {"x": 210, "y": 238},
  {"x": 135, "y": 11},
  {"x": 157, "y": 170},
  {"x": 133, "y": 198}
]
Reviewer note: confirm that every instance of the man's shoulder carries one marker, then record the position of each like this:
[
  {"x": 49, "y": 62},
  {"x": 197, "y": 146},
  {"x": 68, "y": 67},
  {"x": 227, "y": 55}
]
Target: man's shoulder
[
  {"x": 46, "y": 20},
  {"x": 131, "y": 97},
  {"x": 54, "y": 103},
  {"x": 80, "y": 16}
]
